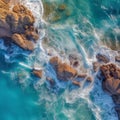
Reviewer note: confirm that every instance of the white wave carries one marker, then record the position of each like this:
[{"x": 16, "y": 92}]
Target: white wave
[
  {"x": 25, "y": 65},
  {"x": 35, "y": 6}
]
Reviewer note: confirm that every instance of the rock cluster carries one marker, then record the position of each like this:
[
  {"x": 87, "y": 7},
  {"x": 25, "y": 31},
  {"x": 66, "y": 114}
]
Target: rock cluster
[
  {"x": 110, "y": 76},
  {"x": 17, "y": 24},
  {"x": 63, "y": 70},
  {"x": 66, "y": 72},
  {"x": 111, "y": 83},
  {"x": 37, "y": 73}
]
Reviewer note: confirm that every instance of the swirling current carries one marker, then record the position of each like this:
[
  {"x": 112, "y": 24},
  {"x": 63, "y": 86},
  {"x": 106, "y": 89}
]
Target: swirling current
[{"x": 86, "y": 28}]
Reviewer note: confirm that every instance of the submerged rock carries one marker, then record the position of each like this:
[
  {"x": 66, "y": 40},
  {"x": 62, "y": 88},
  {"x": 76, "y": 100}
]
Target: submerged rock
[
  {"x": 17, "y": 24},
  {"x": 111, "y": 81}
]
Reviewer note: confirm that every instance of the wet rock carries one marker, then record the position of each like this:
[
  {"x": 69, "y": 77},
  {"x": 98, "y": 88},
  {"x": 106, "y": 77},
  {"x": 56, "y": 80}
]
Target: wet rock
[
  {"x": 111, "y": 83},
  {"x": 63, "y": 70},
  {"x": 89, "y": 79},
  {"x": 76, "y": 83},
  {"x": 17, "y": 24},
  {"x": 102, "y": 58},
  {"x": 21, "y": 40},
  {"x": 111, "y": 78},
  {"x": 38, "y": 73}
]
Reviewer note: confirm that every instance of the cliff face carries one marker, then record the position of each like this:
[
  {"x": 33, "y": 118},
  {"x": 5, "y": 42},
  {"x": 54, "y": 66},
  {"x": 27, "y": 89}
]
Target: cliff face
[{"x": 17, "y": 24}]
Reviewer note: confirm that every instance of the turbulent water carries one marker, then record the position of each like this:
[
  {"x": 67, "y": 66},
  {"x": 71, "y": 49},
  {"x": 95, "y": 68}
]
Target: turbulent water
[{"x": 87, "y": 28}]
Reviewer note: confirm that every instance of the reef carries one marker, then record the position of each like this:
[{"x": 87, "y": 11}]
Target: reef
[{"x": 17, "y": 25}]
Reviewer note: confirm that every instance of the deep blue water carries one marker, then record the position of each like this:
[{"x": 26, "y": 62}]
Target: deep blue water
[{"x": 90, "y": 25}]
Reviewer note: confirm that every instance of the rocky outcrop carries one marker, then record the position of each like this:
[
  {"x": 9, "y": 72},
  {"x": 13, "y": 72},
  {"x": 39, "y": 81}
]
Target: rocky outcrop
[
  {"x": 66, "y": 72},
  {"x": 38, "y": 73},
  {"x": 54, "y": 12},
  {"x": 63, "y": 70},
  {"x": 111, "y": 78},
  {"x": 18, "y": 25},
  {"x": 110, "y": 75}
]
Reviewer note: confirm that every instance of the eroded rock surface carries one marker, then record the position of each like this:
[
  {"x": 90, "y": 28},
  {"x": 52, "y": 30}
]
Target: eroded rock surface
[
  {"x": 110, "y": 73},
  {"x": 66, "y": 72},
  {"x": 17, "y": 24},
  {"x": 63, "y": 70}
]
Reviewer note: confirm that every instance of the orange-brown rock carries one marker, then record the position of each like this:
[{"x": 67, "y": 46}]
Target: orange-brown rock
[
  {"x": 63, "y": 70},
  {"x": 17, "y": 24},
  {"x": 38, "y": 73},
  {"x": 76, "y": 83},
  {"x": 110, "y": 73},
  {"x": 21, "y": 40},
  {"x": 111, "y": 78}
]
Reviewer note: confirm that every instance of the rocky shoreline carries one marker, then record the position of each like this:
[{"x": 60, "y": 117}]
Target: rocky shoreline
[{"x": 17, "y": 26}]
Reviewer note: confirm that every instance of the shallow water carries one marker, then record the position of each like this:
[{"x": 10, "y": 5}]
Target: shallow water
[{"x": 88, "y": 26}]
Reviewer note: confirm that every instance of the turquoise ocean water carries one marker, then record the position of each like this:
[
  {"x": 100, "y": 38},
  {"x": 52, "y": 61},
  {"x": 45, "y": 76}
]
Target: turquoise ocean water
[{"x": 90, "y": 26}]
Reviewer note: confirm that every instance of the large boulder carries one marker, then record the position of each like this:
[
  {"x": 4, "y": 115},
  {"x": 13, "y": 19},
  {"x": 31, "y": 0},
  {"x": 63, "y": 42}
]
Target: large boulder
[
  {"x": 63, "y": 70},
  {"x": 17, "y": 24},
  {"x": 66, "y": 72}
]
